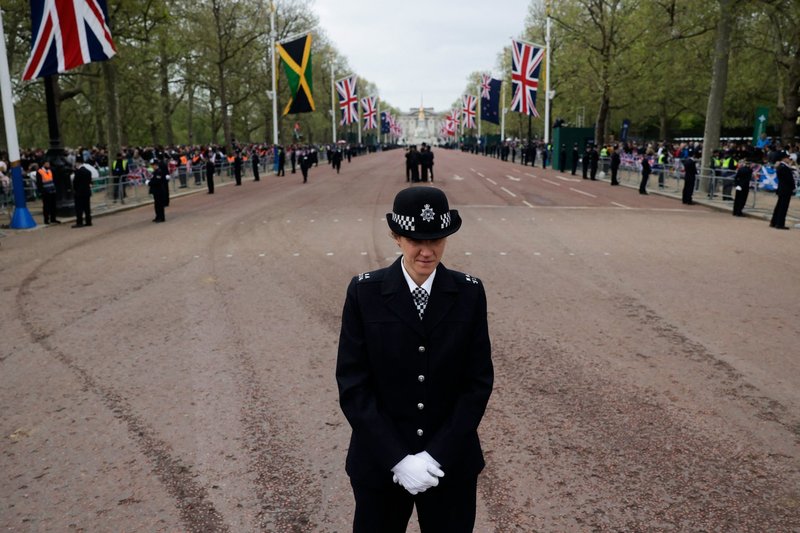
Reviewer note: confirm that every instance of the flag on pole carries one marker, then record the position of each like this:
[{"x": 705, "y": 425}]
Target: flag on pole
[
  {"x": 368, "y": 106},
  {"x": 384, "y": 122},
  {"x": 526, "y": 62},
  {"x": 296, "y": 57},
  {"x": 66, "y": 34},
  {"x": 348, "y": 99},
  {"x": 490, "y": 99},
  {"x": 468, "y": 103}
]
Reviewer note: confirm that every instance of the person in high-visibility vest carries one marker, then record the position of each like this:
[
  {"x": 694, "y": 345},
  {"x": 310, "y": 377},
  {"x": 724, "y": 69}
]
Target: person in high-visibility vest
[{"x": 46, "y": 186}]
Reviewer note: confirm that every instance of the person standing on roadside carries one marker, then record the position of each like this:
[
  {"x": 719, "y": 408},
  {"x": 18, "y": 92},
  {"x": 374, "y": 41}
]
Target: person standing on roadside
[
  {"x": 210, "y": 168},
  {"x": 645, "y": 174},
  {"x": 47, "y": 190},
  {"x": 414, "y": 373},
  {"x": 786, "y": 188},
  {"x": 255, "y": 160},
  {"x": 689, "y": 177},
  {"x": 82, "y": 189},
  {"x": 159, "y": 189},
  {"x": 741, "y": 181},
  {"x": 237, "y": 167},
  {"x": 615, "y": 162}
]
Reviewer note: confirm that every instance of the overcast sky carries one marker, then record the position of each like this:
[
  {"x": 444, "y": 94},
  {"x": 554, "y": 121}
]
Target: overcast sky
[{"x": 414, "y": 49}]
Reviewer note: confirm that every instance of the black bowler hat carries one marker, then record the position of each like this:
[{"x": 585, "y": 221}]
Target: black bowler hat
[{"x": 423, "y": 213}]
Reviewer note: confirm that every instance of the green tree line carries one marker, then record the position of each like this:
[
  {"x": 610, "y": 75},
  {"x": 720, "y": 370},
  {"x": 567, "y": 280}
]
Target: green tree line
[
  {"x": 185, "y": 73},
  {"x": 672, "y": 67}
]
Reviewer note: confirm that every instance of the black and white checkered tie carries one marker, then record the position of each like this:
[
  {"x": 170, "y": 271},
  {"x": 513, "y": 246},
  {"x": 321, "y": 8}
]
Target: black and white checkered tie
[{"x": 420, "y": 300}]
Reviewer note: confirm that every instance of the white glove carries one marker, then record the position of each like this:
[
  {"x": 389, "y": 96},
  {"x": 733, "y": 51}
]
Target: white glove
[
  {"x": 738, "y": 187},
  {"x": 416, "y": 474}
]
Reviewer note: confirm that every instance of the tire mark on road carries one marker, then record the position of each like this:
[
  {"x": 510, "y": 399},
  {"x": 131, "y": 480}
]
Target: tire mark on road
[{"x": 192, "y": 500}]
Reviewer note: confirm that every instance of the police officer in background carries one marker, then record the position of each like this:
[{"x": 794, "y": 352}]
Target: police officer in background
[
  {"x": 689, "y": 177},
  {"x": 414, "y": 372},
  {"x": 159, "y": 189},
  {"x": 744, "y": 174},
  {"x": 786, "y": 187},
  {"x": 615, "y": 162},
  {"x": 82, "y": 188}
]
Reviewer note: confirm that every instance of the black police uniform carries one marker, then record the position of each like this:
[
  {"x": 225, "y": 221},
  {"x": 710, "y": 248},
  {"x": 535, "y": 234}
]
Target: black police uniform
[{"x": 408, "y": 385}]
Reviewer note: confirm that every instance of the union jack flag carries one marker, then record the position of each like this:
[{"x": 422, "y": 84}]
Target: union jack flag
[
  {"x": 526, "y": 61},
  {"x": 370, "y": 112},
  {"x": 468, "y": 102},
  {"x": 486, "y": 87},
  {"x": 67, "y": 34},
  {"x": 348, "y": 99}
]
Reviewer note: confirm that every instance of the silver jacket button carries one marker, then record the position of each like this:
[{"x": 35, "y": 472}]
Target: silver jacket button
[
  {"x": 420, "y": 406},
  {"x": 421, "y": 378},
  {"x": 421, "y": 349},
  {"x": 419, "y": 432}
]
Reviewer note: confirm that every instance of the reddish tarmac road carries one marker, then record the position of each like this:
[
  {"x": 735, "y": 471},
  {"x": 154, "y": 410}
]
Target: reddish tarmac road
[{"x": 180, "y": 376}]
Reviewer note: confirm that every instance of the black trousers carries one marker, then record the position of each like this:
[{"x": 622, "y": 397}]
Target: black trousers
[
  {"x": 158, "y": 205},
  {"x": 83, "y": 210},
  {"x": 739, "y": 200},
  {"x": 688, "y": 189},
  {"x": 614, "y": 172},
  {"x": 210, "y": 182},
  {"x": 256, "y": 177},
  {"x": 585, "y": 169},
  {"x": 779, "y": 214},
  {"x": 49, "y": 207},
  {"x": 448, "y": 508},
  {"x": 643, "y": 183},
  {"x": 237, "y": 175}
]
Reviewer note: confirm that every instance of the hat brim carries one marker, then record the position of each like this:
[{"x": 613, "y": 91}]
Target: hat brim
[{"x": 455, "y": 225}]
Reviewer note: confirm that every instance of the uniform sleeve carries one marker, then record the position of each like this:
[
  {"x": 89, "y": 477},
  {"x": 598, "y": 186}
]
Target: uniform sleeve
[
  {"x": 356, "y": 389},
  {"x": 447, "y": 443}
]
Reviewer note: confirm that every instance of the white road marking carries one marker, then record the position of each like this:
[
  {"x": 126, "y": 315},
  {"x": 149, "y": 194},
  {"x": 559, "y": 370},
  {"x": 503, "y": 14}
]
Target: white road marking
[
  {"x": 312, "y": 221},
  {"x": 562, "y": 178},
  {"x": 490, "y": 180},
  {"x": 296, "y": 254},
  {"x": 527, "y": 203},
  {"x": 503, "y": 253},
  {"x": 329, "y": 253},
  {"x": 509, "y": 192},
  {"x": 467, "y": 253},
  {"x": 513, "y": 178},
  {"x": 472, "y": 169},
  {"x": 336, "y": 220},
  {"x": 620, "y": 205},
  {"x": 481, "y": 175},
  {"x": 551, "y": 182},
  {"x": 537, "y": 253},
  {"x": 531, "y": 175},
  {"x": 229, "y": 255},
  {"x": 262, "y": 255},
  {"x": 360, "y": 219},
  {"x": 456, "y": 177},
  {"x": 583, "y": 193},
  {"x": 197, "y": 257},
  {"x": 363, "y": 253}
]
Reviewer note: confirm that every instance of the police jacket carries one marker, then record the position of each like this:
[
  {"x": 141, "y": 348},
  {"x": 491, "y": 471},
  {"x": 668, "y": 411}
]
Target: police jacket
[
  {"x": 408, "y": 385},
  {"x": 82, "y": 182},
  {"x": 786, "y": 184}
]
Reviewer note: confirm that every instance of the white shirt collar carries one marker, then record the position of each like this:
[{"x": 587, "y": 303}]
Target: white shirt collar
[{"x": 427, "y": 285}]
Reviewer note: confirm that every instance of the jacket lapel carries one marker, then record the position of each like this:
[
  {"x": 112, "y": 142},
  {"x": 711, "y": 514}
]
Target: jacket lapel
[
  {"x": 443, "y": 296},
  {"x": 397, "y": 297}
]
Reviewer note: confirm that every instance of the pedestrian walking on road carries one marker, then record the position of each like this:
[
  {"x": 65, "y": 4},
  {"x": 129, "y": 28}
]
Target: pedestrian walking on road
[
  {"x": 414, "y": 373},
  {"x": 305, "y": 164}
]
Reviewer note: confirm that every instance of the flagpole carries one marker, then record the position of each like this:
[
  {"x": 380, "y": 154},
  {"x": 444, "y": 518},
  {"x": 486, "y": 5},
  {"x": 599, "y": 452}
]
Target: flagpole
[
  {"x": 358, "y": 117},
  {"x": 272, "y": 35},
  {"x": 21, "y": 219},
  {"x": 547, "y": 81},
  {"x": 333, "y": 109},
  {"x": 478, "y": 107},
  {"x": 502, "y": 112}
]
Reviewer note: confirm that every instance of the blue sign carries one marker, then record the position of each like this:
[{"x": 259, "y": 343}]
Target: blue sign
[{"x": 623, "y": 133}]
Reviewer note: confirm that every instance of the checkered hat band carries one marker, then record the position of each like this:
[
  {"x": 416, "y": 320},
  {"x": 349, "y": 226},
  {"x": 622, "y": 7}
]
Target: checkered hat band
[
  {"x": 446, "y": 220},
  {"x": 405, "y": 222}
]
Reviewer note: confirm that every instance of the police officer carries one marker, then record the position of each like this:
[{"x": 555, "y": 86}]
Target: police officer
[
  {"x": 256, "y": 161},
  {"x": 615, "y": 162},
  {"x": 786, "y": 187},
  {"x": 305, "y": 163},
  {"x": 237, "y": 167},
  {"x": 414, "y": 372},
  {"x": 744, "y": 174},
  {"x": 575, "y": 157},
  {"x": 336, "y": 159},
  {"x": 594, "y": 159},
  {"x": 159, "y": 189},
  {"x": 689, "y": 177},
  {"x": 82, "y": 188}
]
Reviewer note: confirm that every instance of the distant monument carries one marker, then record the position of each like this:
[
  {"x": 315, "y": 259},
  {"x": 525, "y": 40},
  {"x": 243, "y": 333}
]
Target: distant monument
[{"x": 420, "y": 126}]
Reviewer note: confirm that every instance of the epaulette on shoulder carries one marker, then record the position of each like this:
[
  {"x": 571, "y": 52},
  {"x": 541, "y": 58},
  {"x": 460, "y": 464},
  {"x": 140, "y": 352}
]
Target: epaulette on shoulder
[
  {"x": 366, "y": 277},
  {"x": 471, "y": 279}
]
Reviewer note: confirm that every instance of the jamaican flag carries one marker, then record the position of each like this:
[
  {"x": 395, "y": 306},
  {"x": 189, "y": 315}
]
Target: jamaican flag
[{"x": 296, "y": 56}]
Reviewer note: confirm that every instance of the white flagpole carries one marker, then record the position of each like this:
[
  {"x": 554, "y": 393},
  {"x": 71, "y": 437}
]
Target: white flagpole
[
  {"x": 333, "y": 108},
  {"x": 359, "y": 117},
  {"x": 547, "y": 82},
  {"x": 478, "y": 112},
  {"x": 21, "y": 219},
  {"x": 272, "y": 36}
]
